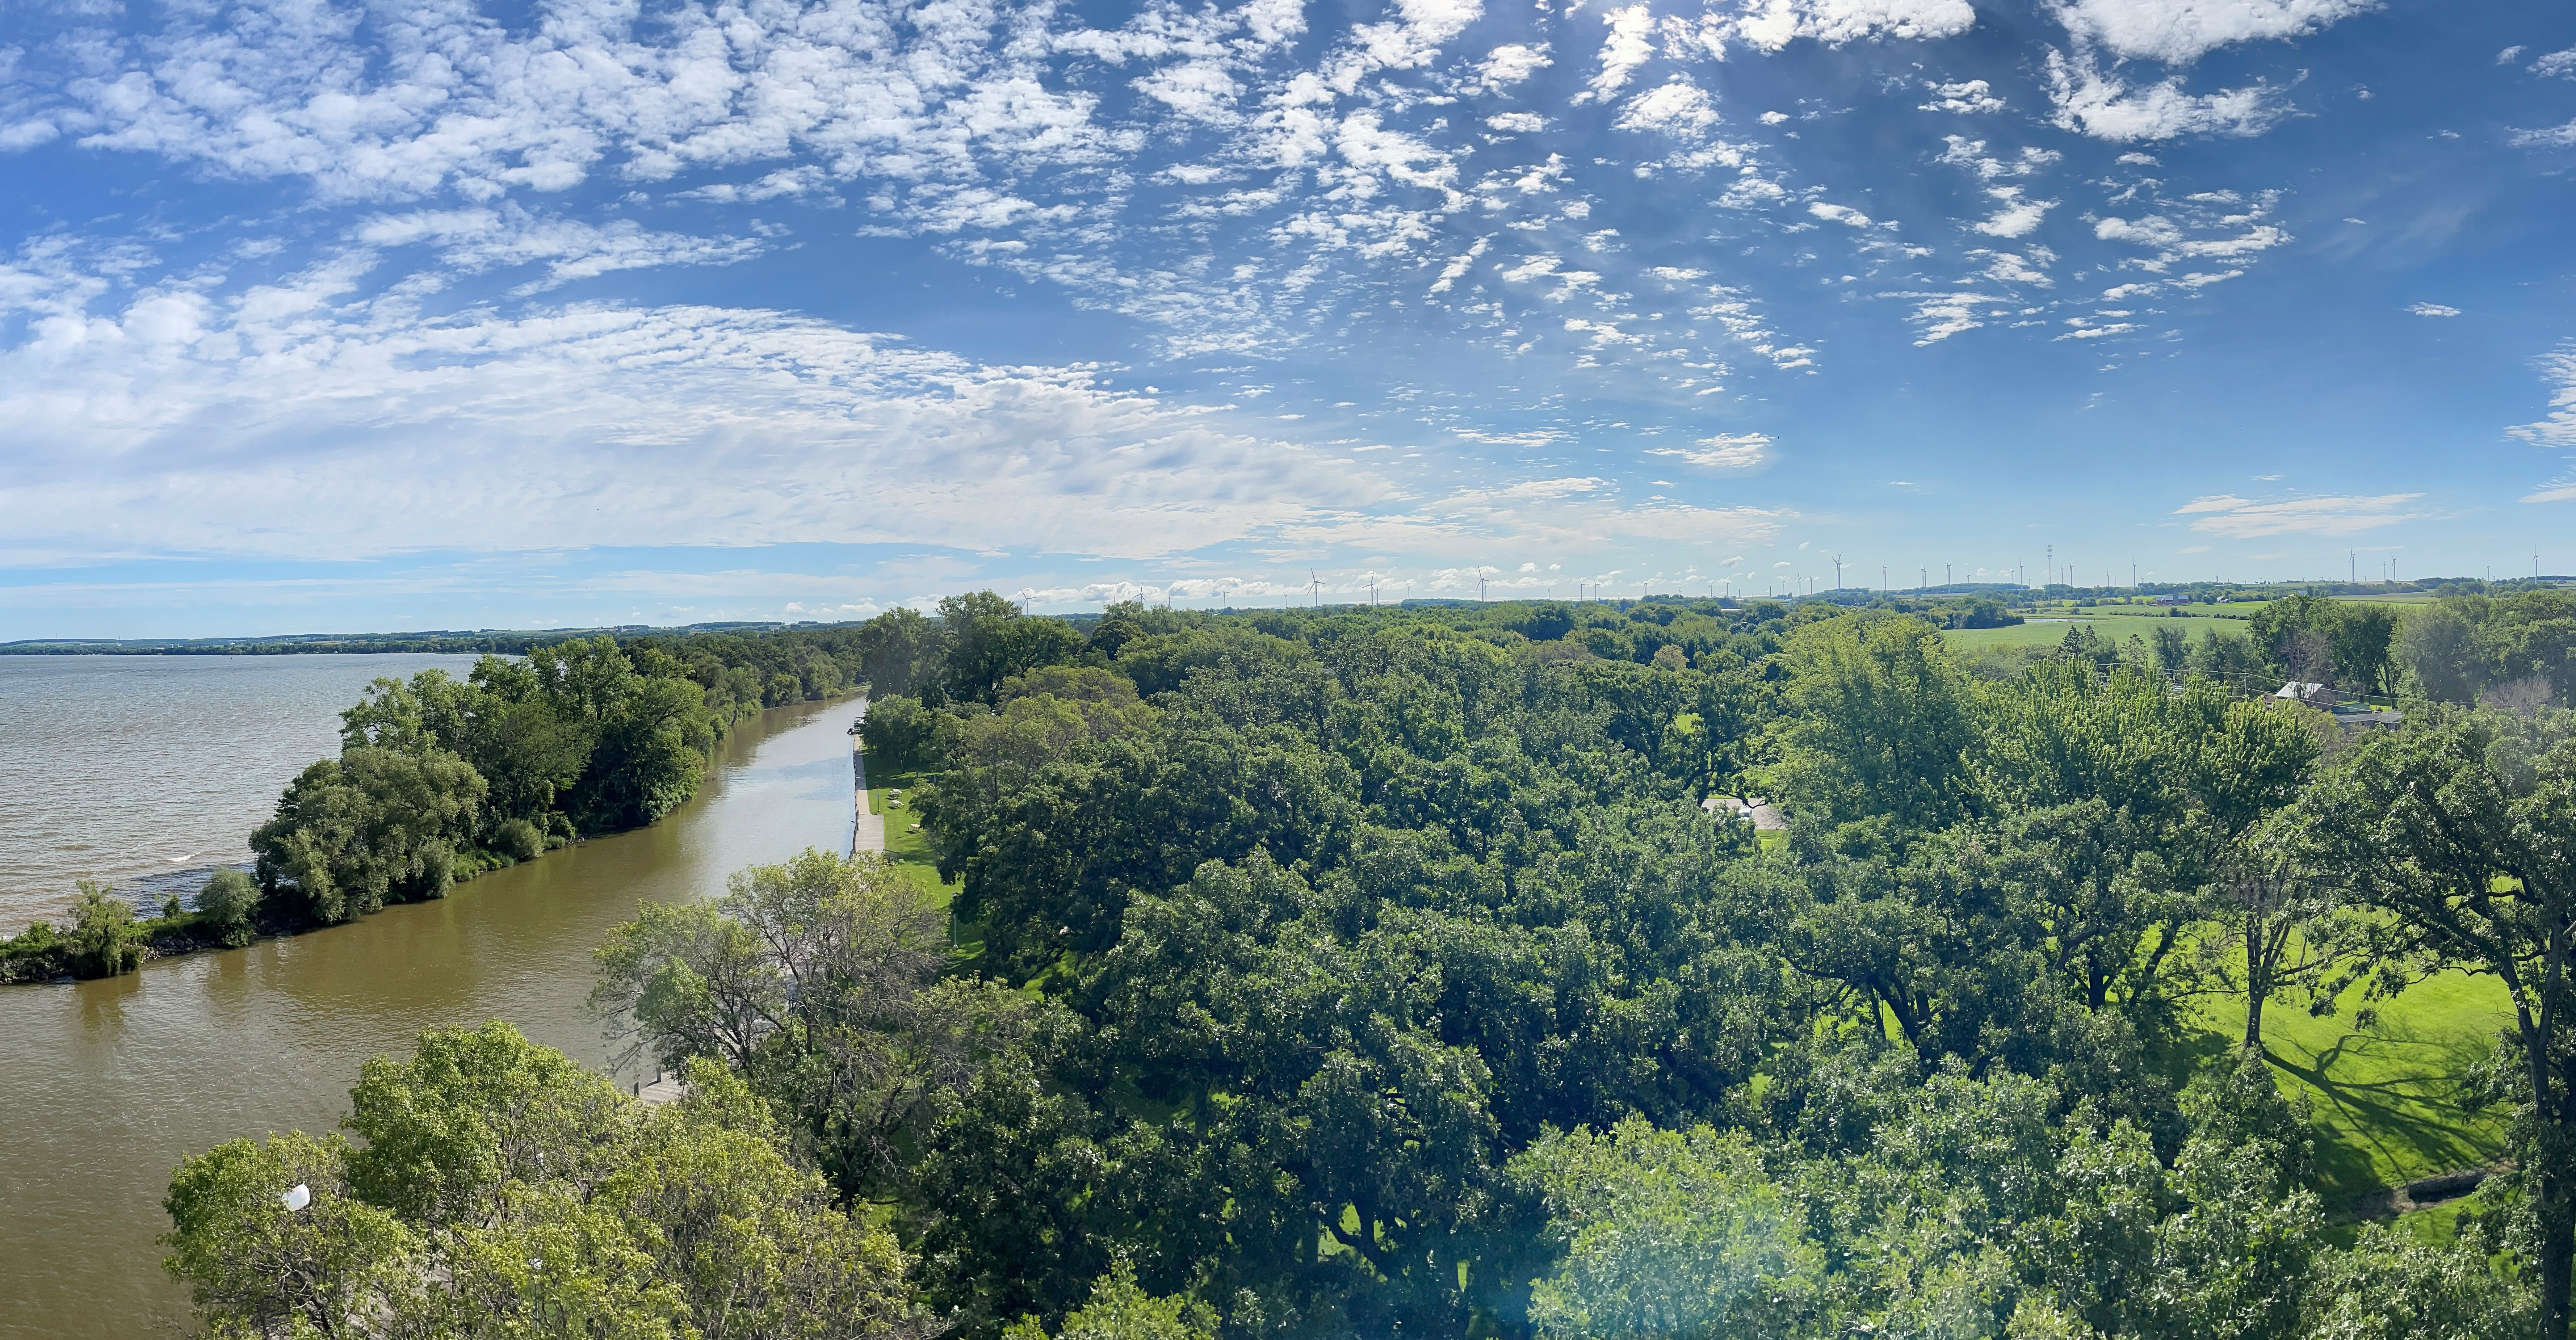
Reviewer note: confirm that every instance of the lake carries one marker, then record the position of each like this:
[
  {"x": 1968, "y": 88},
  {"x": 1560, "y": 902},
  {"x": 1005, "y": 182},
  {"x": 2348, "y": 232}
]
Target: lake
[
  {"x": 145, "y": 770},
  {"x": 108, "y": 1084}
]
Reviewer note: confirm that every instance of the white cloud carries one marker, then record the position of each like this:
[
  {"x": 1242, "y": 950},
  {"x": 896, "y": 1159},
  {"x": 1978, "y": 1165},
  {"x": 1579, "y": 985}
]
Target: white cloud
[
  {"x": 1507, "y": 65},
  {"x": 2509, "y": 54},
  {"x": 2214, "y": 225},
  {"x": 1967, "y": 97},
  {"x": 1517, "y": 123},
  {"x": 1773, "y": 24},
  {"x": 177, "y": 421},
  {"x": 2094, "y": 102},
  {"x": 2147, "y": 232},
  {"x": 2432, "y": 309},
  {"x": 2018, "y": 267},
  {"x": 1726, "y": 451},
  {"x": 1677, "y": 108},
  {"x": 2554, "y": 137},
  {"x": 1942, "y": 315},
  {"x": 2238, "y": 518},
  {"x": 2559, "y": 428},
  {"x": 483, "y": 239},
  {"x": 2556, "y": 65},
  {"x": 2014, "y": 216},
  {"x": 1629, "y": 45},
  {"x": 1843, "y": 214},
  {"x": 2179, "y": 32}
]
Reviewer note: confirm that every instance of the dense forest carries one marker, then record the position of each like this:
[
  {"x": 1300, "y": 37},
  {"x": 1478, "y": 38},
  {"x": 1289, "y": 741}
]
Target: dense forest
[
  {"x": 1382, "y": 972},
  {"x": 439, "y": 779}
]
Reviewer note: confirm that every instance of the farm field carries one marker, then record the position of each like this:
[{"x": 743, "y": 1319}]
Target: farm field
[{"x": 2118, "y": 622}]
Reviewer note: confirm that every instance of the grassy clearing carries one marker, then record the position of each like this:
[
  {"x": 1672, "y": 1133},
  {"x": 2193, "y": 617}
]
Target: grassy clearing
[
  {"x": 906, "y": 845},
  {"x": 2386, "y": 1100}
]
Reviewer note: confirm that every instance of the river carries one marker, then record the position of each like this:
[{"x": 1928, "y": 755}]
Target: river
[{"x": 106, "y": 1085}]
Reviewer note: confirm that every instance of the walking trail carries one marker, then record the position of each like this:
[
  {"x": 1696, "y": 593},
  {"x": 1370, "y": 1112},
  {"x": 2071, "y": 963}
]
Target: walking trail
[{"x": 867, "y": 833}]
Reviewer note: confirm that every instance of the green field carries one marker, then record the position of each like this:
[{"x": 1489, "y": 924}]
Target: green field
[{"x": 2119, "y": 622}]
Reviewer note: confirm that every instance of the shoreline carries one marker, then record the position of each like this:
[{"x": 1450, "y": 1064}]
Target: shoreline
[{"x": 186, "y": 934}]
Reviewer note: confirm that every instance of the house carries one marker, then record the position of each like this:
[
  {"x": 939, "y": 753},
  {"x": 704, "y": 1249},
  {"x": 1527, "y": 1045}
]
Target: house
[
  {"x": 2314, "y": 695},
  {"x": 1760, "y": 813}
]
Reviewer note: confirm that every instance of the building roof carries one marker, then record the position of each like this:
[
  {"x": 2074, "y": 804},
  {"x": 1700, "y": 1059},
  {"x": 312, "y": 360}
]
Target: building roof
[{"x": 1762, "y": 814}]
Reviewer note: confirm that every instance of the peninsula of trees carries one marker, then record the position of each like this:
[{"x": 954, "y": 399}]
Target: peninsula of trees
[{"x": 439, "y": 779}]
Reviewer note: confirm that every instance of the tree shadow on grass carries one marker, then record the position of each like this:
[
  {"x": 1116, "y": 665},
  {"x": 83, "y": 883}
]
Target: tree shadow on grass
[{"x": 2388, "y": 1108}]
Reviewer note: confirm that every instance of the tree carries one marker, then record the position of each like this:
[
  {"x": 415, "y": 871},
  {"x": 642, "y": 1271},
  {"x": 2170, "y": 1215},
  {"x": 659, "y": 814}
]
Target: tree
[
  {"x": 504, "y": 1190},
  {"x": 105, "y": 939},
  {"x": 898, "y": 732},
  {"x": 1668, "y": 1234},
  {"x": 372, "y": 826},
  {"x": 253, "y": 1267},
  {"x": 2462, "y": 828},
  {"x": 229, "y": 903},
  {"x": 818, "y": 981},
  {"x": 1880, "y": 726},
  {"x": 1120, "y": 1309},
  {"x": 900, "y": 651}
]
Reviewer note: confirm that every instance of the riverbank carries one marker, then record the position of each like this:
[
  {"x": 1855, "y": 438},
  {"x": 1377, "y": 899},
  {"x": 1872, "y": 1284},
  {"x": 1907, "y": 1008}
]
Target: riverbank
[
  {"x": 49, "y": 954},
  {"x": 110, "y": 1082}
]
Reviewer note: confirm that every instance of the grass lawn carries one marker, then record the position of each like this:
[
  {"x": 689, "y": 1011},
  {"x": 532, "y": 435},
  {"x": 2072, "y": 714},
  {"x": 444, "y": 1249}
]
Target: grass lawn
[
  {"x": 2385, "y": 1100},
  {"x": 906, "y": 845}
]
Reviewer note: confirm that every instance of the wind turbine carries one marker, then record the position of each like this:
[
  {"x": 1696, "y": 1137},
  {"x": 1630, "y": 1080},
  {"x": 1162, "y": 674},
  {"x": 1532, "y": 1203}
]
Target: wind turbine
[
  {"x": 1480, "y": 583},
  {"x": 1317, "y": 583},
  {"x": 1838, "y": 572}
]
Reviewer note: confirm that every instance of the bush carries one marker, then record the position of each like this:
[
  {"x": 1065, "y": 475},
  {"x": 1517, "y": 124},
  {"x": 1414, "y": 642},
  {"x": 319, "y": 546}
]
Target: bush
[
  {"x": 228, "y": 903},
  {"x": 519, "y": 840},
  {"x": 106, "y": 940}
]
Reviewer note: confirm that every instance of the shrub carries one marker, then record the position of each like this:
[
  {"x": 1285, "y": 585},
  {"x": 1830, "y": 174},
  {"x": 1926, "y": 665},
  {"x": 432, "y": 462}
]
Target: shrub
[
  {"x": 228, "y": 903},
  {"x": 519, "y": 840}
]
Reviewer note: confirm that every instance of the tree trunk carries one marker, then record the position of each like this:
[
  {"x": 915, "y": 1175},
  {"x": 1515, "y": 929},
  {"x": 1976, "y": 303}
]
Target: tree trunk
[
  {"x": 2258, "y": 981},
  {"x": 2557, "y": 1252}
]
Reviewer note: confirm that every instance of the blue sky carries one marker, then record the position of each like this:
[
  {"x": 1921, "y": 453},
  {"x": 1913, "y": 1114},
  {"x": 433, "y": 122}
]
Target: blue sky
[{"x": 322, "y": 315}]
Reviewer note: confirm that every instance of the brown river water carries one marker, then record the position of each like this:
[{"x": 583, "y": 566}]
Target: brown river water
[{"x": 106, "y": 1085}]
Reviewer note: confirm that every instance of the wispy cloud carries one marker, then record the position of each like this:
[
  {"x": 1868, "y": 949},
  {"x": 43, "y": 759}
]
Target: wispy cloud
[
  {"x": 2242, "y": 519},
  {"x": 1726, "y": 451},
  {"x": 2558, "y": 428}
]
